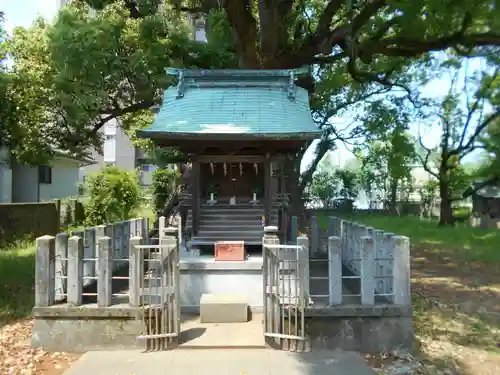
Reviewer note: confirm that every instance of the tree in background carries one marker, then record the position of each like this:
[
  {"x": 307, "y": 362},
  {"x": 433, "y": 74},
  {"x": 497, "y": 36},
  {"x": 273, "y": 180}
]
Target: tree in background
[
  {"x": 165, "y": 183},
  {"x": 113, "y": 195},
  {"x": 334, "y": 187},
  {"x": 90, "y": 67},
  {"x": 388, "y": 153},
  {"x": 349, "y": 186},
  {"x": 325, "y": 183},
  {"x": 7, "y": 104},
  {"x": 462, "y": 131}
]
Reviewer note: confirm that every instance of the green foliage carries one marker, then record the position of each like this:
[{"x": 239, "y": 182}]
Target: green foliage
[
  {"x": 105, "y": 59},
  {"x": 324, "y": 188},
  {"x": 113, "y": 195},
  {"x": 72, "y": 76},
  {"x": 350, "y": 184},
  {"x": 388, "y": 152},
  {"x": 325, "y": 184},
  {"x": 429, "y": 193},
  {"x": 165, "y": 183},
  {"x": 332, "y": 186}
]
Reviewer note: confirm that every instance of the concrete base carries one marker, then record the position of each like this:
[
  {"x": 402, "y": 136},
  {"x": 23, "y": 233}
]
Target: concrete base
[
  {"x": 223, "y": 308},
  {"x": 204, "y": 275},
  {"x": 79, "y": 329},
  {"x": 367, "y": 329},
  {"x": 364, "y": 329}
]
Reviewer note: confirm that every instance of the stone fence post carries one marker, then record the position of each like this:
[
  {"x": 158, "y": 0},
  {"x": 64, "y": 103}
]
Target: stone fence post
[
  {"x": 271, "y": 268},
  {"x": 145, "y": 228},
  {"x": 45, "y": 271},
  {"x": 110, "y": 232},
  {"x": 75, "y": 270},
  {"x": 379, "y": 266},
  {"x": 304, "y": 242},
  {"x": 105, "y": 272},
  {"x": 100, "y": 231},
  {"x": 162, "y": 225},
  {"x": 401, "y": 271},
  {"x": 135, "y": 265},
  {"x": 172, "y": 236},
  {"x": 314, "y": 236},
  {"x": 334, "y": 271},
  {"x": 366, "y": 274},
  {"x": 90, "y": 250}
]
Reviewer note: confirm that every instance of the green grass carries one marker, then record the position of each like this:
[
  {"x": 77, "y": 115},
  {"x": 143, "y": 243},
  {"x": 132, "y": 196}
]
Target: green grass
[
  {"x": 462, "y": 241},
  {"x": 17, "y": 281}
]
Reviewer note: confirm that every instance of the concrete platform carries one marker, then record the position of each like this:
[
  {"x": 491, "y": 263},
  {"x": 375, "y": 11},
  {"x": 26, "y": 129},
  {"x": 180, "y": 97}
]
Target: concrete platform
[
  {"x": 197, "y": 335},
  {"x": 223, "y": 308},
  {"x": 221, "y": 362}
]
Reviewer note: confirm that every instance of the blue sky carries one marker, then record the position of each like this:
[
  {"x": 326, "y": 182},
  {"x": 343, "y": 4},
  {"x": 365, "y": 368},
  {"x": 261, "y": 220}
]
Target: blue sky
[{"x": 24, "y": 12}]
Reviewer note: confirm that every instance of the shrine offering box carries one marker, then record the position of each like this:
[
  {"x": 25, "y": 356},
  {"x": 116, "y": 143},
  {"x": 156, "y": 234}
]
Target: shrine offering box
[{"x": 230, "y": 251}]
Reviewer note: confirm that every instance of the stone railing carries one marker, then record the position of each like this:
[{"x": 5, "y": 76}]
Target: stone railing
[
  {"x": 66, "y": 264},
  {"x": 365, "y": 266}
]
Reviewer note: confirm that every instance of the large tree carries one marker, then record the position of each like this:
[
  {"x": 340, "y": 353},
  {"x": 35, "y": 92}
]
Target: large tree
[
  {"x": 90, "y": 67},
  {"x": 463, "y": 130}
]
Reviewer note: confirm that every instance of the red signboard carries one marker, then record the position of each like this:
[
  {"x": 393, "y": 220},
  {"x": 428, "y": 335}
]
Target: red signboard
[{"x": 230, "y": 250}]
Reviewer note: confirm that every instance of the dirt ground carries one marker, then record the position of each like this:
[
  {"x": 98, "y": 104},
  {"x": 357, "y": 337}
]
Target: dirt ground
[
  {"x": 17, "y": 357},
  {"x": 456, "y": 319}
]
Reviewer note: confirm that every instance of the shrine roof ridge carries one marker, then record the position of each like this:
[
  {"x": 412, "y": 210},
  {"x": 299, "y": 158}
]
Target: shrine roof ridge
[{"x": 237, "y": 73}]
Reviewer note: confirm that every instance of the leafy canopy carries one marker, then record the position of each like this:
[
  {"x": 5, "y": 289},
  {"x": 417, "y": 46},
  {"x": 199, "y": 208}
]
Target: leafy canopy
[{"x": 91, "y": 66}]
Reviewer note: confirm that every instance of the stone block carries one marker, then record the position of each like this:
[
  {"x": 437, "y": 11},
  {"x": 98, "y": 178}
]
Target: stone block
[
  {"x": 223, "y": 308},
  {"x": 230, "y": 251}
]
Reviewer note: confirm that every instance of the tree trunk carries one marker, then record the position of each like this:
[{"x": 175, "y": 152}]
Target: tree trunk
[
  {"x": 394, "y": 194},
  {"x": 446, "y": 211},
  {"x": 294, "y": 188}
]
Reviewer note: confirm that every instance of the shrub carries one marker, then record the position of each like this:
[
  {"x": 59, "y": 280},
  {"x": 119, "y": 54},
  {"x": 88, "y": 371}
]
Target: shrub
[
  {"x": 113, "y": 195},
  {"x": 165, "y": 182}
]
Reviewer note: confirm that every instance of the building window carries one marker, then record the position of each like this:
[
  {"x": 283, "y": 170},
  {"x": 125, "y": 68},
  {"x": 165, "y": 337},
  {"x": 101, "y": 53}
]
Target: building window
[
  {"x": 109, "y": 137},
  {"x": 44, "y": 174},
  {"x": 147, "y": 167}
]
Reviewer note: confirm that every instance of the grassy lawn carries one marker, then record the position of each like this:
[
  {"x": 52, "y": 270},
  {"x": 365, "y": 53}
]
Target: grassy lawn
[
  {"x": 17, "y": 281},
  {"x": 456, "y": 292},
  {"x": 463, "y": 242}
]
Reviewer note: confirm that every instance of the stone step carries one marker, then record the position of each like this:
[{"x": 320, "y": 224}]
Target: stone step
[
  {"x": 223, "y": 308},
  {"x": 247, "y": 335},
  {"x": 231, "y": 225},
  {"x": 225, "y": 233},
  {"x": 227, "y": 219},
  {"x": 197, "y": 240}
]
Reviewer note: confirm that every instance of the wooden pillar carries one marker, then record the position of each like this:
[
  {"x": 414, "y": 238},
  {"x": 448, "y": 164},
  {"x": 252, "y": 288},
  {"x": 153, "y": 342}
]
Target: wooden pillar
[
  {"x": 195, "y": 195},
  {"x": 267, "y": 190}
]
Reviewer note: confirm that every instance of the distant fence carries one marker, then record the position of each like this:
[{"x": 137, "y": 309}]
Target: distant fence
[
  {"x": 402, "y": 209},
  {"x": 71, "y": 212},
  {"x": 365, "y": 265},
  {"x": 20, "y": 220}
]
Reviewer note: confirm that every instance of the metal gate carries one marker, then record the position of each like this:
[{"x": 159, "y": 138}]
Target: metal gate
[
  {"x": 159, "y": 294},
  {"x": 285, "y": 296}
]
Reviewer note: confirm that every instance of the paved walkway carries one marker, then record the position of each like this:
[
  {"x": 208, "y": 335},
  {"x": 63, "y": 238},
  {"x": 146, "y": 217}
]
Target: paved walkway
[{"x": 220, "y": 362}]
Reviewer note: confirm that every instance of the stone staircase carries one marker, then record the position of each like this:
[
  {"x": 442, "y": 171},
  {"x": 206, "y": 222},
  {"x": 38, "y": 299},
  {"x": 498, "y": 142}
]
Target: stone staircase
[{"x": 222, "y": 222}]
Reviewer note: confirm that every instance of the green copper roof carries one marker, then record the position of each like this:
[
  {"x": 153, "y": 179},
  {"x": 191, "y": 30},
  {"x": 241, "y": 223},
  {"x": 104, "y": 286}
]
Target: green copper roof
[{"x": 234, "y": 102}]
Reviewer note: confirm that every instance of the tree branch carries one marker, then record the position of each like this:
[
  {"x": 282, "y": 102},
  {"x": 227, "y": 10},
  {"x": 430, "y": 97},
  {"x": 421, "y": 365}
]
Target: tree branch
[
  {"x": 117, "y": 112},
  {"x": 425, "y": 161}
]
